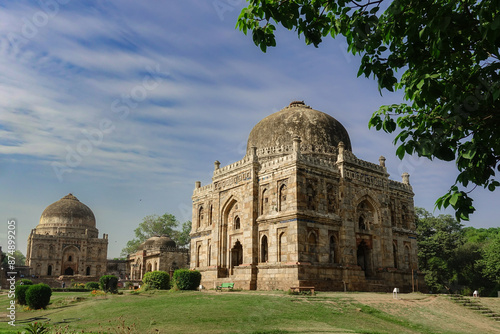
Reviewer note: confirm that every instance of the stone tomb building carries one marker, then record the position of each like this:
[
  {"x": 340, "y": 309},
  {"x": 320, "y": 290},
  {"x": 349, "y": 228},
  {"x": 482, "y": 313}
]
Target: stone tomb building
[
  {"x": 66, "y": 242},
  {"x": 300, "y": 209},
  {"x": 156, "y": 253}
]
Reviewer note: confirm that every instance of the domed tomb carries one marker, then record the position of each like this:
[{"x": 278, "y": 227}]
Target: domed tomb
[
  {"x": 67, "y": 215},
  {"x": 317, "y": 131},
  {"x": 66, "y": 242},
  {"x": 165, "y": 241},
  {"x": 156, "y": 242}
]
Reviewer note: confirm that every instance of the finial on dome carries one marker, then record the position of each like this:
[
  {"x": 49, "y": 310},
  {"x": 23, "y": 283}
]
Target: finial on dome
[
  {"x": 296, "y": 104},
  {"x": 71, "y": 196}
]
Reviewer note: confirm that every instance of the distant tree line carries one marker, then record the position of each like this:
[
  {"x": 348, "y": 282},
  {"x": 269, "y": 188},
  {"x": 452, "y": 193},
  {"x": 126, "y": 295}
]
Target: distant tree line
[{"x": 455, "y": 258}]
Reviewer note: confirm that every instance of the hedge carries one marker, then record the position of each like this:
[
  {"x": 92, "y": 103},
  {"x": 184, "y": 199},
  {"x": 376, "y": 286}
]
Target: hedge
[
  {"x": 24, "y": 281},
  {"x": 186, "y": 279},
  {"x": 92, "y": 286},
  {"x": 21, "y": 293},
  {"x": 157, "y": 280},
  {"x": 38, "y": 296}
]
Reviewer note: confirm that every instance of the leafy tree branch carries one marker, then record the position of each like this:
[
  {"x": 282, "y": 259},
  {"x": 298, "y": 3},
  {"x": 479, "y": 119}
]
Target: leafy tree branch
[{"x": 444, "y": 55}]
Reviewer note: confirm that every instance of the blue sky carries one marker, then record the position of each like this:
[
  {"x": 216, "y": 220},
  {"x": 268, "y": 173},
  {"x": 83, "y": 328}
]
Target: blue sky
[{"x": 126, "y": 104}]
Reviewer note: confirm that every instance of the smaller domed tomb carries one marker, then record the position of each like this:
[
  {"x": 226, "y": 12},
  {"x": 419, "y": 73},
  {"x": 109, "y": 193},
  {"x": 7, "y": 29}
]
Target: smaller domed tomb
[
  {"x": 156, "y": 253},
  {"x": 66, "y": 242}
]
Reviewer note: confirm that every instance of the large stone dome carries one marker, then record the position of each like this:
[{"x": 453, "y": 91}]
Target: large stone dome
[
  {"x": 68, "y": 212},
  {"x": 315, "y": 129}
]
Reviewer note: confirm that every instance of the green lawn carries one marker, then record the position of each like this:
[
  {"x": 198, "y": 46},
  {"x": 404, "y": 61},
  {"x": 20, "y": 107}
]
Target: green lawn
[{"x": 251, "y": 312}]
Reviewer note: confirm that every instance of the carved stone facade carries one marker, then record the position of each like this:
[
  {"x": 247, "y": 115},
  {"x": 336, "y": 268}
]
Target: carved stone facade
[
  {"x": 66, "y": 242},
  {"x": 300, "y": 209},
  {"x": 156, "y": 253}
]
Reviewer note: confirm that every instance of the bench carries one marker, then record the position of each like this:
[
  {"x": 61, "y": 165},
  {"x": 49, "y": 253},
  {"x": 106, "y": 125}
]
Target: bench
[
  {"x": 302, "y": 288},
  {"x": 228, "y": 286}
]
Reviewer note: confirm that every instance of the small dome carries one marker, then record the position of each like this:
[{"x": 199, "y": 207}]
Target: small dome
[
  {"x": 68, "y": 211},
  {"x": 315, "y": 129},
  {"x": 162, "y": 241},
  {"x": 165, "y": 242}
]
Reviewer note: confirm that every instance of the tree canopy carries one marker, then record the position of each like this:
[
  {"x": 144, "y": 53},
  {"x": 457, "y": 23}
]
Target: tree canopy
[
  {"x": 457, "y": 259},
  {"x": 159, "y": 225},
  {"x": 447, "y": 56},
  {"x": 18, "y": 255}
]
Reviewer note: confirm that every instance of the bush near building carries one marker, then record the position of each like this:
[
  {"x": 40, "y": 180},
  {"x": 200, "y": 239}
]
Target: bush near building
[
  {"x": 109, "y": 283},
  {"x": 92, "y": 286},
  {"x": 24, "y": 281},
  {"x": 38, "y": 296},
  {"x": 21, "y": 294},
  {"x": 157, "y": 280},
  {"x": 186, "y": 279}
]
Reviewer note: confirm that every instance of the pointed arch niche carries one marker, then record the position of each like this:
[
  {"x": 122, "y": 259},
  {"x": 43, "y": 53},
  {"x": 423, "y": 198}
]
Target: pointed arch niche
[
  {"x": 230, "y": 211},
  {"x": 367, "y": 214}
]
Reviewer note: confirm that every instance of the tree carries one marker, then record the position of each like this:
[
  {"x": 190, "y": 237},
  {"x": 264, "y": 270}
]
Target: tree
[
  {"x": 182, "y": 237},
  {"x": 447, "y": 52},
  {"x": 158, "y": 225},
  {"x": 454, "y": 258},
  {"x": 491, "y": 260},
  {"x": 438, "y": 239},
  {"x": 18, "y": 256}
]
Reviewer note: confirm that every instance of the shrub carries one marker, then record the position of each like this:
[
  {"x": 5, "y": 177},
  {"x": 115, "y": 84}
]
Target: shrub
[
  {"x": 92, "y": 286},
  {"x": 97, "y": 293},
  {"x": 185, "y": 279},
  {"x": 38, "y": 296},
  {"x": 77, "y": 286},
  {"x": 37, "y": 328},
  {"x": 157, "y": 280},
  {"x": 109, "y": 283},
  {"x": 21, "y": 294},
  {"x": 24, "y": 281}
]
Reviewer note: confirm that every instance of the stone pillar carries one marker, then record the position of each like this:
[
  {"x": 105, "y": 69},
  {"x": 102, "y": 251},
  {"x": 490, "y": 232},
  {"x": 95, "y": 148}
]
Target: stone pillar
[
  {"x": 381, "y": 160},
  {"x": 296, "y": 145},
  {"x": 197, "y": 185},
  {"x": 253, "y": 151},
  {"x": 216, "y": 164},
  {"x": 406, "y": 178}
]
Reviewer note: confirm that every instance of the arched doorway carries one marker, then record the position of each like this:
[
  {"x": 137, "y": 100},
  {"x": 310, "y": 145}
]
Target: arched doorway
[
  {"x": 312, "y": 247},
  {"x": 263, "y": 249},
  {"x": 87, "y": 272},
  {"x": 236, "y": 254},
  {"x": 230, "y": 211},
  {"x": 364, "y": 258},
  {"x": 49, "y": 270},
  {"x": 70, "y": 259},
  {"x": 333, "y": 250}
]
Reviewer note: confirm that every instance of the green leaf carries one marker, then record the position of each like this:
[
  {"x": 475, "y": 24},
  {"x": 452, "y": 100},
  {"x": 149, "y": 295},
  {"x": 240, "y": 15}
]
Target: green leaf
[{"x": 400, "y": 152}]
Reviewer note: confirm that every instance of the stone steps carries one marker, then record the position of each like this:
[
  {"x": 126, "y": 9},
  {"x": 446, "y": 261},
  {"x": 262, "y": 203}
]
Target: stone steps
[{"x": 475, "y": 305}]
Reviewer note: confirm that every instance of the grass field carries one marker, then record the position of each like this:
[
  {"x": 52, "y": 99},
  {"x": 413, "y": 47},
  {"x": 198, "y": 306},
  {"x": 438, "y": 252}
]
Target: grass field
[{"x": 256, "y": 312}]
